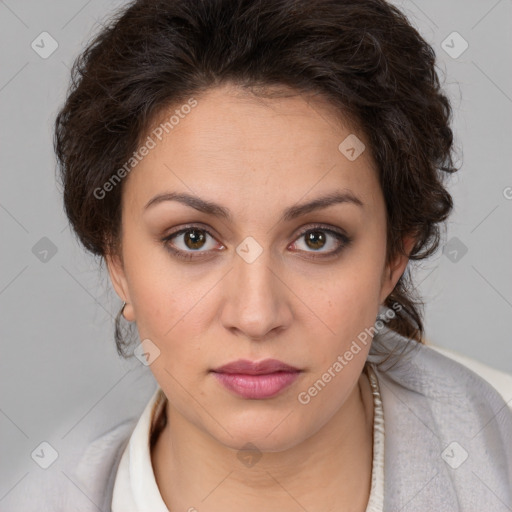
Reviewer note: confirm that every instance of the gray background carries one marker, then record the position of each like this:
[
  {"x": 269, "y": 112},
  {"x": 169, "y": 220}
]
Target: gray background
[{"x": 60, "y": 373}]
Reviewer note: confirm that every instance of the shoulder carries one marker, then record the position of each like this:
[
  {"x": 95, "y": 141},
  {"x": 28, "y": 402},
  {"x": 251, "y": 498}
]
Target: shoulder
[
  {"x": 499, "y": 380},
  {"x": 444, "y": 420},
  {"x": 439, "y": 374},
  {"x": 82, "y": 474},
  {"x": 97, "y": 467},
  {"x": 80, "y": 479}
]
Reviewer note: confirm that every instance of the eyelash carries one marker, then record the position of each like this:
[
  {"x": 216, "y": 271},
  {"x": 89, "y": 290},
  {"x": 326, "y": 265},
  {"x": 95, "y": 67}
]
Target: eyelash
[{"x": 343, "y": 239}]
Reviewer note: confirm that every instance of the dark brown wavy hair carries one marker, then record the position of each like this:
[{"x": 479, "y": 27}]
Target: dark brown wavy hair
[{"x": 363, "y": 56}]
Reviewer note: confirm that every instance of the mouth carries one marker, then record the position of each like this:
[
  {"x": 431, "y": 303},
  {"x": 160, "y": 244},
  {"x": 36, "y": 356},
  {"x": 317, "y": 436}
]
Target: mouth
[{"x": 256, "y": 380}]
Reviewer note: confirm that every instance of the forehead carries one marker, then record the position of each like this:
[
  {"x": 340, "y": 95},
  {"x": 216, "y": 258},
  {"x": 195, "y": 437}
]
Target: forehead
[{"x": 234, "y": 144}]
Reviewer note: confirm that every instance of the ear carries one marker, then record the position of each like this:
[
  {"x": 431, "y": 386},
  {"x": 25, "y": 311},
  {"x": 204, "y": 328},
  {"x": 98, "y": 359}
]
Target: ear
[
  {"x": 119, "y": 282},
  {"x": 394, "y": 269}
]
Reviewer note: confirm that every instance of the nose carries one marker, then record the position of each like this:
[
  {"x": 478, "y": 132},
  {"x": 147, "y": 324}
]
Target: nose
[{"x": 257, "y": 299}]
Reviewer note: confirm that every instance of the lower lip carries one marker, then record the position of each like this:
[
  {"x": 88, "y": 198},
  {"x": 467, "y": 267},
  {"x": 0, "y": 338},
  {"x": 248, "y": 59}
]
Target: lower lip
[{"x": 257, "y": 386}]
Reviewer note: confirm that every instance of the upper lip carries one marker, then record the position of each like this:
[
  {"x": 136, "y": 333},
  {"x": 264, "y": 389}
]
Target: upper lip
[{"x": 247, "y": 367}]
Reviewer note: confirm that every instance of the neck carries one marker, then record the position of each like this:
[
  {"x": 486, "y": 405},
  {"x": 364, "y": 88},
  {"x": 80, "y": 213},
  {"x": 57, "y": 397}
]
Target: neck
[{"x": 331, "y": 467}]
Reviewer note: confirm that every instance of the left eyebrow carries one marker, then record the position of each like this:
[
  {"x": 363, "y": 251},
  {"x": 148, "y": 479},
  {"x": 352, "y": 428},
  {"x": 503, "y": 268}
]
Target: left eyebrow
[
  {"x": 288, "y": 214},
  {"x": 321, "y": 202}
]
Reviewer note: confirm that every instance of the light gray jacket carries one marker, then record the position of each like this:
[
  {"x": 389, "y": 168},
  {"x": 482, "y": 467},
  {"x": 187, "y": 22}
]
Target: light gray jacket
[{"x": 448, "y": 443}]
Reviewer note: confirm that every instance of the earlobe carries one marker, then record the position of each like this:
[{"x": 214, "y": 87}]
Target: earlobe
[{"x": 120, "y": 284}]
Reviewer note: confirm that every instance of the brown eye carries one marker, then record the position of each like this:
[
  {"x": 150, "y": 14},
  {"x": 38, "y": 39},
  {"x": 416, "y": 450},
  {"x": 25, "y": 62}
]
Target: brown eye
[
  {"x": 194, "y": 238},
  {"x": 190, "y": 242},
  {"x": 315, "y": 239}
]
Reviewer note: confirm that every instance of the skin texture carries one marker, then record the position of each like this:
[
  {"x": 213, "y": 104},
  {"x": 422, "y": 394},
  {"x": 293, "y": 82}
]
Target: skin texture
[{"x": 256, "y": 158}]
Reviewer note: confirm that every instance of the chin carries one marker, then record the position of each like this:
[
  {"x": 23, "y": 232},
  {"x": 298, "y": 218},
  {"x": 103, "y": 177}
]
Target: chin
[{"x": 264, "y": 435}]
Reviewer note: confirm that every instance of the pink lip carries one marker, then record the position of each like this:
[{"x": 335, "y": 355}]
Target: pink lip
[
  {"x": 256, "y": 380},
  {"x": 255, "y": 367}
]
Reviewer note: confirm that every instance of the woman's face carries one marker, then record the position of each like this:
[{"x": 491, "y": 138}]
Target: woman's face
[{"x": 259, "y": 275}]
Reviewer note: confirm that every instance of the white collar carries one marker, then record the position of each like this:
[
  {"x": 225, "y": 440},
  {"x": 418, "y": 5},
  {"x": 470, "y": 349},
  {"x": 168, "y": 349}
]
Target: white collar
[{"x": 135, "y": 487}]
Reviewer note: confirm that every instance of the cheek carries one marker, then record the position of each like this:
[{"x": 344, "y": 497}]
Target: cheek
[
  {"x": 168, "y": 310},
  {"x": 346, "y": 309},
  {"x": 350, "y": 299},
  {"x": 163, "y": 296},
  {"x": 171, "y": 314}
]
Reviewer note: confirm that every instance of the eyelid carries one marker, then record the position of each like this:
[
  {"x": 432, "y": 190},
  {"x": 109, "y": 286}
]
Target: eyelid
[
  {"x": 187, "y": 227},
  {"x": 322, "y": 227},
  {"x": 343, "y": 242},
  {"x": 303, "y": 230}
]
